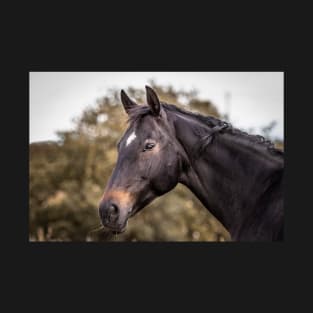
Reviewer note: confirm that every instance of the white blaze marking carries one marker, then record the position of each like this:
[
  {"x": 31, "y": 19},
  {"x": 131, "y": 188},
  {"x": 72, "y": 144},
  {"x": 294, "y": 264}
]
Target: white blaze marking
[{"x": 130, "y": 138}]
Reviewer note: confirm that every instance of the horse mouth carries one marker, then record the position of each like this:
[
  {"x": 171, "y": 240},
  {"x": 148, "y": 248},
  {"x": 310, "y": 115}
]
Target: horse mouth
[{"x": 116, "y": 229}]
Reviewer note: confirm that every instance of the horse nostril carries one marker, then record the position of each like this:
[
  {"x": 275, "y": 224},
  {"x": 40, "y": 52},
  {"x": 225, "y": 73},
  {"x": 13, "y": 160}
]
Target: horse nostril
[
  {"x": 113, "y": 209},
  {"x": 109, "y": 212}
]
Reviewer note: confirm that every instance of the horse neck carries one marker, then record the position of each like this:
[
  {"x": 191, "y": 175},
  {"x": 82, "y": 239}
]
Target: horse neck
[{"x": 226, "y": 174}]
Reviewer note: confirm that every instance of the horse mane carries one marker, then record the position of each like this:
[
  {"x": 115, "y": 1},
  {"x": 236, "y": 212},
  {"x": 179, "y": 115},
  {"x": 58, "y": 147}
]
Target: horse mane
[{"x": 140, "y": 111}]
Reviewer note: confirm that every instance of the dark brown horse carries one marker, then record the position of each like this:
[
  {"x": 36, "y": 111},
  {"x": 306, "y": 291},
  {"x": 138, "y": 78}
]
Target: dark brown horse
[{"x": 238, "y": 177}]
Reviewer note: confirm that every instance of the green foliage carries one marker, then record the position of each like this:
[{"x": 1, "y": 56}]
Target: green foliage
[{"x": 68, "y": 177}]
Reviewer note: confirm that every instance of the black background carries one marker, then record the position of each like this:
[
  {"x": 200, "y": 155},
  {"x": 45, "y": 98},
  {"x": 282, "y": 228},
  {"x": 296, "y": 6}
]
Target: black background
[{"x": 154, "y": 276}]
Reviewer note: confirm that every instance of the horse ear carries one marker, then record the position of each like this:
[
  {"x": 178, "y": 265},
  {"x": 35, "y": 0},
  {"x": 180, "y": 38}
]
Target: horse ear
[
  {"x": 127, "y": 102},
  {"x": 153, "y": 101}
]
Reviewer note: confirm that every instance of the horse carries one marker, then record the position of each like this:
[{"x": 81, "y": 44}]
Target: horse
[{"x": 237, "y": 176}]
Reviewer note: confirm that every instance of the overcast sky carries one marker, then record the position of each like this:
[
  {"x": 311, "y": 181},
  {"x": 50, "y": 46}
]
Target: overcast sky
[{"x": 257, "y": 98}]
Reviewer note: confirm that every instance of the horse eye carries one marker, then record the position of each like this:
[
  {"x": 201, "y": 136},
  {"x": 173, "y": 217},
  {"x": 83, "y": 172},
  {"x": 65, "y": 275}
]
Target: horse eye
[{"x": 149, "y": 146}]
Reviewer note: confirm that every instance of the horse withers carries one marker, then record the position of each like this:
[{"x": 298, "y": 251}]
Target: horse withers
[{"x": 238, "y": 177}]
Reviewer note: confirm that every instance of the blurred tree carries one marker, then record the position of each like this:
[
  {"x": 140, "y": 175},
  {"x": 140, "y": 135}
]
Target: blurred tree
[{"x": 267, "y": 129}]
